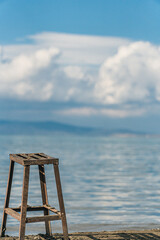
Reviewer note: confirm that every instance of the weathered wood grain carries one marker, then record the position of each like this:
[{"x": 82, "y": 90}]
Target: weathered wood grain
[
  {"x": 30, "y": 208},
  {"x": 61, "y": 202},
  {"x": 42, "y": 218},
  {"x": 13, "y": 213},
  {"x": 8, "y": 193},
  {"x": 52, "y": 209},
  {"x": 24, "y": 202},
  {"x": 44, "y": 197},
  {"x": 27, "y": 159},
  {"x": 33, "y": 159}
]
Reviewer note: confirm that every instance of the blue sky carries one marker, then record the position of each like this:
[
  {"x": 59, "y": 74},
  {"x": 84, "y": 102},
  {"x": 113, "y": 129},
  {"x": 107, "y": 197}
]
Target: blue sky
[
  {"x": 136, "y": 19},
  {"x": 82, "y": 62}
]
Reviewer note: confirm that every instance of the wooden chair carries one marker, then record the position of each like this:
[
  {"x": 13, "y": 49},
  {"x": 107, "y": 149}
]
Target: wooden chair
[{"x": 19, "y": 213}]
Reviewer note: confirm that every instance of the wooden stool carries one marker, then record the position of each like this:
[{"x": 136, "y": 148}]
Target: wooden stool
[{"x": 26, "y": 160}]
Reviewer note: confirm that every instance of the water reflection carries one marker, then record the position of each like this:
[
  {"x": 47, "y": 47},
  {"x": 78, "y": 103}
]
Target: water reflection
[{"x": 108, "y": 182}]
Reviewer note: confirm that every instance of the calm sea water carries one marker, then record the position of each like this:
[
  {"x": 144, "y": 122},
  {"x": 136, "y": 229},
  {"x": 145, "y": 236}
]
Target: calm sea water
[{"x": 108, "y": 182}]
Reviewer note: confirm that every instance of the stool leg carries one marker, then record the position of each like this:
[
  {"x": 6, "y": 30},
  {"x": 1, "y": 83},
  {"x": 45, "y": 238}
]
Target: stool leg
[
  {"x": 44, "y": 196},
  {"x": 61, "y": 202},
  {"x": 8, "y": 193},
  {"x": 24, "y": 202}
]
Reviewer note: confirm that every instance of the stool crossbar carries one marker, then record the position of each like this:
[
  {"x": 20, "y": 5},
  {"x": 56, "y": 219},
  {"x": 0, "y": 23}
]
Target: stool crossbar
[{"x": 19, "y": 213}]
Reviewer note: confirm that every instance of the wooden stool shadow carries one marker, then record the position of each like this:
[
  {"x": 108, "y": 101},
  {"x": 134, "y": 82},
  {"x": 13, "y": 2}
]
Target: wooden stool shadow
[{"x": 19, "y": 213}]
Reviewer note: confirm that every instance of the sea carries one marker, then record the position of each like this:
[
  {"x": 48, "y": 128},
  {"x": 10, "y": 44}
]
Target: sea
[{"x": 109, "y": 182}]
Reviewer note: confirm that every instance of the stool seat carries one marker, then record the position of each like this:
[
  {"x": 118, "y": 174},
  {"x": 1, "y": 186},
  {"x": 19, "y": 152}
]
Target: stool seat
[
  {"x": 20, "y": 213},
  {"x": 33, "y": 159}
]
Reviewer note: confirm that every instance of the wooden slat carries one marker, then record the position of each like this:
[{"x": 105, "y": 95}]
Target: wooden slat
[
  {"x": 32, "y": 154},
  {"x": 24, "y": 202},
  {"x": 42, "y": 218},
  {"x": 33, "y": 159},
  {"x": 8, "y": 193},
  {"x": 30, "y": 208},
  {"x": 35, "y": 156},
  {"x": 23, "y": 156},
  {"x": 43, "y": 155},
  {"x": 52, "y": 209},
  {"x": 61, "y": 202},
  {"x": 40, "y": 161},
  {"x": 13, "y": 213},
  {"x": 42, "y": 178},
  {"x": 16, "y": 159}
]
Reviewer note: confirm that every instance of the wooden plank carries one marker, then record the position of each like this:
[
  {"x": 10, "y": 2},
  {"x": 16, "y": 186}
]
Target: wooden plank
[
  {"x": 24, "y": 202},
  {"x": 30, "y": 208},
  {"x": 40, "y": 161},
  {"x": 37, "y": 156},
  {"x": 16, "y": 159},
  {"x": 23, "y": 156},
  {"x": 44, "y": 197},
  {"x": 26, "y": 155},
  {"x": 13, "y": 213},
  {"x": 33, "y": 159},
  {"x": 8, "y": 193},
  {"x": 42, "y": 218},
  {"x": 43, "y": 155},
  {"x": 61, "y": 202},
  {"x": 52, "y": 209}
]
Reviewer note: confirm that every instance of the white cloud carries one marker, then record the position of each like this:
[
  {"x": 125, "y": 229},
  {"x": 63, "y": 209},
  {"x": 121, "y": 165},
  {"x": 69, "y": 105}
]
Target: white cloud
[
  {"x": 100, "y": 71},
  {"x": 74, "y": 72},
  {"x": 85, "y": 111},
  {"x": 27, "y": 68},
  {"x": 131, "y": 75},
  {"x": 17, "y": 76},
  {"x": 26, "y": 65},
  {"x": 80, "y": 49},
  {"x": 90, "y": 111}
]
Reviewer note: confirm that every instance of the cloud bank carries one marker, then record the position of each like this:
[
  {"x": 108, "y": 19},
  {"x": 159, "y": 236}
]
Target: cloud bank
[
  {"x": 107, "y": 76},
  {"x": 19, "y": 77},
  {"x": 131, "y": 75}
]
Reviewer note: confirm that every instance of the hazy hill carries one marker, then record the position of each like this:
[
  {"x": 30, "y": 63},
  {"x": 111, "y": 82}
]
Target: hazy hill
[{"x": 49, "y": 127}]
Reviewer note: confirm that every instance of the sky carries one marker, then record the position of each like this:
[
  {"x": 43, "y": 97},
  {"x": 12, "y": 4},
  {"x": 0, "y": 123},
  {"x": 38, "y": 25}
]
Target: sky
[{"x": 82, "y": 62}]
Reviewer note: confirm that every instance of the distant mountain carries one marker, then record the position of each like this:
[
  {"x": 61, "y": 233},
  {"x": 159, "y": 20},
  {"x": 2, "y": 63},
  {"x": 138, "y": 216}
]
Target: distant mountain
[{"x": 49, "y": 127}]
